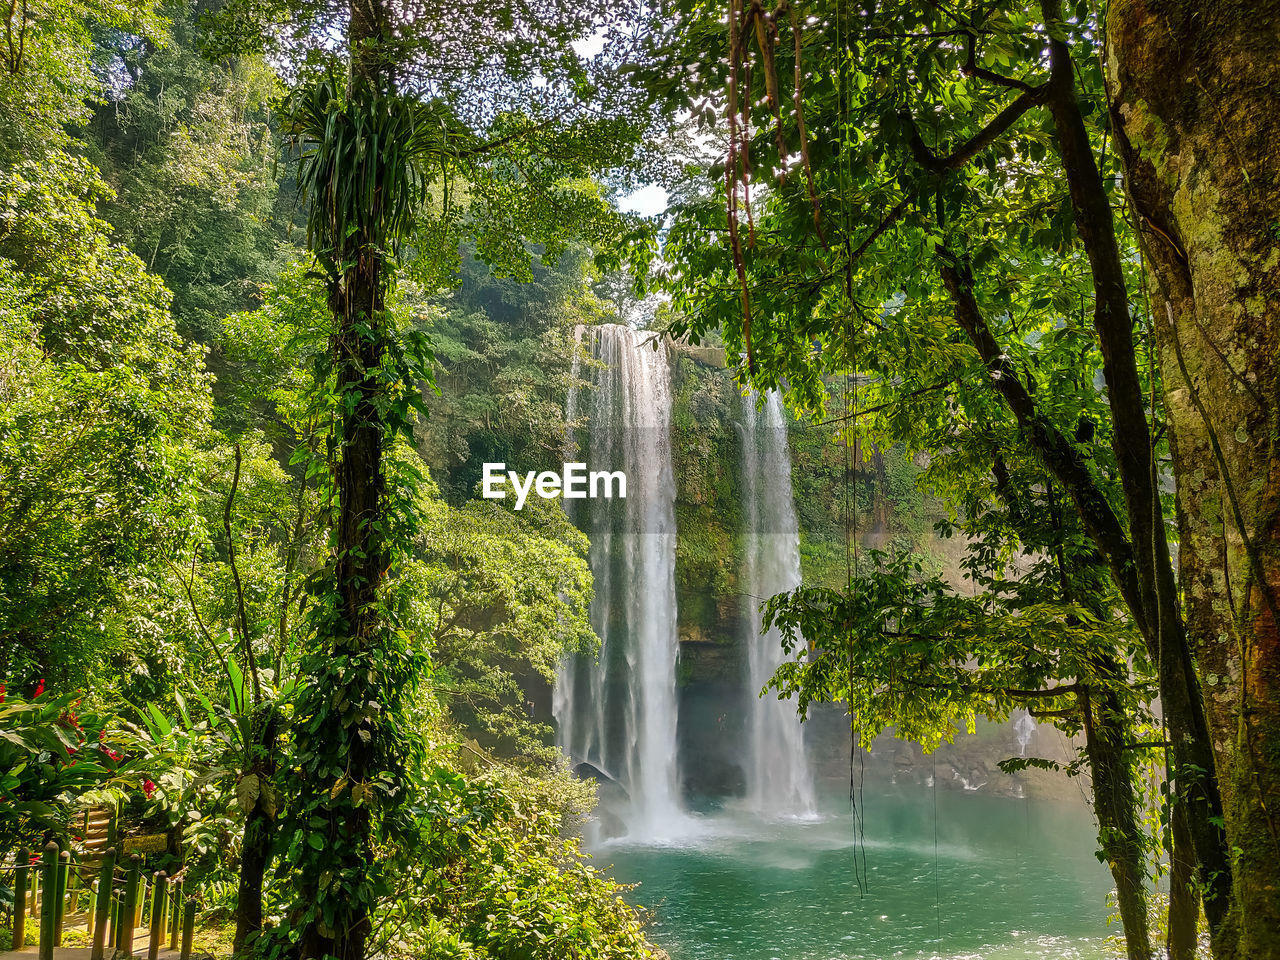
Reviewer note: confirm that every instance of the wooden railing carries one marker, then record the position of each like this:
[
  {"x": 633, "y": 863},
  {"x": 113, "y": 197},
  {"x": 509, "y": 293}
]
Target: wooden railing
[{"x": 116, "y": 904}]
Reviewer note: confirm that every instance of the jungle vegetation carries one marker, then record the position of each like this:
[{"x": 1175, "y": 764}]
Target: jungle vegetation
[{"x": 263, "y": 261}]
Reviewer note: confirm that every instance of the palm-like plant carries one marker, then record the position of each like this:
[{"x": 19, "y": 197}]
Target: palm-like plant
[{"x": 367, "y": 165}]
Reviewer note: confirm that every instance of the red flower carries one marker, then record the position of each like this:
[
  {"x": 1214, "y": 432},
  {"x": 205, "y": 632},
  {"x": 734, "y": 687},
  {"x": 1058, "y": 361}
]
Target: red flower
[
  {"x": 39, "y": 688},
  {"x": 3, "y": 690},
  {"x": 148, "y": 788}
]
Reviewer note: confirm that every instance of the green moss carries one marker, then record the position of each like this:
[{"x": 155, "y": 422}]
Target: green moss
[
  {"x": 1147, "y": 132},
  {"x": 706, "y": 454}
]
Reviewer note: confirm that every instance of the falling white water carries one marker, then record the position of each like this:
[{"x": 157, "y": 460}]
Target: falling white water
[
  {"x": 1024, "y": 728},
  {"x": 617, "y": 711},
  {"x": 779, "y": 781}
]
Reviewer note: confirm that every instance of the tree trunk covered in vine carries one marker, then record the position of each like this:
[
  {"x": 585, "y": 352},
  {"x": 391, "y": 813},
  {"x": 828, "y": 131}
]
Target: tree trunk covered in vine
[
  {"x": 255, "y": 857},
  {"x": 1198, "y": 126},
  {"x": 356, "y": 300}
]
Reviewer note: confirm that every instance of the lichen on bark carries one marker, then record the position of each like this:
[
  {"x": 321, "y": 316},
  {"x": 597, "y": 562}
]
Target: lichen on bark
[{"x": 1198, "y": 130}]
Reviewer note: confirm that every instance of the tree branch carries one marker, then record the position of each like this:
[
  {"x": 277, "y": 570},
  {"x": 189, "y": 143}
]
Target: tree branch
[
  {"x": 1058, "y": 691},
  {"x": 243, "y": 617},
  {"x": 1055, "y": 450},
  {"x": 889, "y": 220},
  {"x": 971, "y": 69},
  {"x": 884, "y": 406},
  {"x": 1032, "y": 97},
  {"x": 1054, "y": 714}
]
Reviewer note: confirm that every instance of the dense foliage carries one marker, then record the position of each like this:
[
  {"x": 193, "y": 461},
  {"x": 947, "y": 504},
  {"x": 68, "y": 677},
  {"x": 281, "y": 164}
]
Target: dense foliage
[
  {"x": 277, "y": 276},
  {"x": 173, "y": 438}
]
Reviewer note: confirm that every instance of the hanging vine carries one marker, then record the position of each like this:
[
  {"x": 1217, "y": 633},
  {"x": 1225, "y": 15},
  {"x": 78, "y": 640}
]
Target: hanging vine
[{"x": 748, "y": 20}]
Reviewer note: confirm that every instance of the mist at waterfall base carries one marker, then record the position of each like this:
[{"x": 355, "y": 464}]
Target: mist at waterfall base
[{"x": 775, "y": 873}]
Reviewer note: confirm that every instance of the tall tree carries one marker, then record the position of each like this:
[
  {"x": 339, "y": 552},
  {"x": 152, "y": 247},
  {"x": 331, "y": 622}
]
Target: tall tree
[
  {"x": 1198, "y": 126},
  {"x": 879, "y": 155},
  {"x": 421, "y": 135}
]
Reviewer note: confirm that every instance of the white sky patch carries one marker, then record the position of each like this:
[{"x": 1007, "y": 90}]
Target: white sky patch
[
  {"x": 588, "y": 48},
  {"x": 648, "y": 201}
]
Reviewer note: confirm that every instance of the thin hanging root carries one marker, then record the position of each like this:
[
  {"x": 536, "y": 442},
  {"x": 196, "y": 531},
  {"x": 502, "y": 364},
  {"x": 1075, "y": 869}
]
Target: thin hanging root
[
  {"x": 804, "y": 135},
  {"x": 735, "y": 244},
  {"x": 731, "y": 114},
  {"x": 731, "y": 178},
  {"x": 731, "y": 161},
  {"x": 766, "y": 37},
  {"x": 746, "y": 154}
]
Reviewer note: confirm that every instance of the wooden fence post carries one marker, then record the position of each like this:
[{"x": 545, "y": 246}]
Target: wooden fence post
[
  {"x": 188, "y": 928},
  {"x": 49, "y": 915},
  {"x": 102, "y": 909},
  {"x": 20, "y": 885},
  {"x": 129, "y": 911},
  {"x": 175, "y": 923},
  {"x": 157, "y": 914},
  {"x": 115, "y": 919},
  {"x": 60, "y": 895}
]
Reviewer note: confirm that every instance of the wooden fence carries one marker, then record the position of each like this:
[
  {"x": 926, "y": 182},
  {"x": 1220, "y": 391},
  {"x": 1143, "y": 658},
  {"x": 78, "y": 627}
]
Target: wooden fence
[{"x": 120, "y": 906}]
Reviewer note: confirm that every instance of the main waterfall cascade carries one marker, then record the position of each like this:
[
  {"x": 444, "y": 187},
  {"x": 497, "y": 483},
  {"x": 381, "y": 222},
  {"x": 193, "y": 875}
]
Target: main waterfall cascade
[
  {"x": 779, "y": 781},
  {"x": 617, "y": 711}
]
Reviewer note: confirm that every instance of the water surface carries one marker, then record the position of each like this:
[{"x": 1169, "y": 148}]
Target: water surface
[{"x": 1010, "y": 879}]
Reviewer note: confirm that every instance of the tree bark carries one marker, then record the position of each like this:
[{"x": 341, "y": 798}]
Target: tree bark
[
  {"x": 1197, "y": 126},
  {"x": 1194, "y": 776}
]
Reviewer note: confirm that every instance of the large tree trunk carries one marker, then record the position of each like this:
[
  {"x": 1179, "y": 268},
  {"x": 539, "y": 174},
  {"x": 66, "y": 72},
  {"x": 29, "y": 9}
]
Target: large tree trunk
[
  {"x": 1198, "y": 127},
  {"x": 356, "y": 302},
  {"x": 1160, "y": 615}
]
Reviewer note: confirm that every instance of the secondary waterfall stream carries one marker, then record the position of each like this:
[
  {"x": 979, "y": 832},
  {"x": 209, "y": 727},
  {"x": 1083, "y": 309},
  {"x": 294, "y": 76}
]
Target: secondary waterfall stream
[
  {"x": 617, "y": 711},
  {"x": 779, "y": 781}
]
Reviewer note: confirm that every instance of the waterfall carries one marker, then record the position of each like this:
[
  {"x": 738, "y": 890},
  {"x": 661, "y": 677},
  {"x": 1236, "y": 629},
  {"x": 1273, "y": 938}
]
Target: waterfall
[
  {"x": 1024, "y": 728},
  {"x": 617, "y": 712},
  {"x": 779, "y": 781}
]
